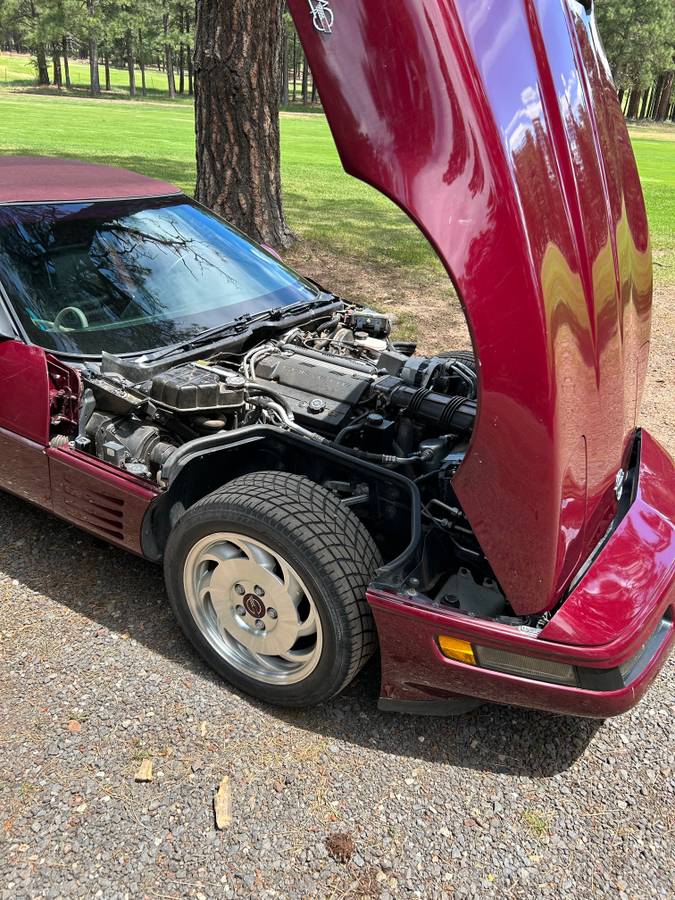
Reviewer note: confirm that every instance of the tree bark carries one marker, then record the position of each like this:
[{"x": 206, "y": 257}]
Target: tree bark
[
  {"x": 94, "y": 80},
  {"x": 131, "y": 64},
  {"x": 42, "y": 70},
  {"x": 305, "y": 81},
  {"x": 190, "y": 51},
  {"x": 655, "y": 97},
  {"x": 634, "y": 104},
  {"x": 106, "y": 67},
  {"x": 236, "y": 67},
  {"x": 168, "y": 59},
  {"x": 141, "y": 60},
  {"x": 66, "y": 65},
  {"x": 283, "y": 68},
  {"x": 181, "y": 55},
  {"x": 295, "y": 64},
  {"x": 56, "y": 62},
  {"x": 645, "y": 102},
  {"x": 666, "y": 94}
]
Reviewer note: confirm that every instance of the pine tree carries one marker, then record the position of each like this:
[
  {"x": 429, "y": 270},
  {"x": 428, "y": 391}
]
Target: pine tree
[{"x": 238, "y": 44}]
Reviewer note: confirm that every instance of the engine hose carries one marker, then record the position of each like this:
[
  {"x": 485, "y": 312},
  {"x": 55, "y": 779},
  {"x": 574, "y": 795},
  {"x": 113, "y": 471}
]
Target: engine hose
[
  {"x": 287, "y": 420},
  {"x": 356, "y": 425},
  {"x": 381, "y": 458},
  {"x": 448, "y": 414},
  {"x": 258, "y": 390}
]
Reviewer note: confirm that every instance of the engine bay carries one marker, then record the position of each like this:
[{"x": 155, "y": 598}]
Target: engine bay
[
  {"x": 344, "y": 382},
  {"x": 341, "y": 382}
]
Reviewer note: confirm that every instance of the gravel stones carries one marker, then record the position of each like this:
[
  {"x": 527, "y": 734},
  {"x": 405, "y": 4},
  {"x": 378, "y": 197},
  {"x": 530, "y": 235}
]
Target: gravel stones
[{"x": 499, "y": 803}]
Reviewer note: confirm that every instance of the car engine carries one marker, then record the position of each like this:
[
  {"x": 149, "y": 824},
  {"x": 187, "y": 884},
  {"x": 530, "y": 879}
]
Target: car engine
[{"x": 343, "y": 382}]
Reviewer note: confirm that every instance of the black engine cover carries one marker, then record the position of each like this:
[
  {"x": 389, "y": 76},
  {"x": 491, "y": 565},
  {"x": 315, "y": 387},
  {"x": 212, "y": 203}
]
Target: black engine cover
[{"x": 320, "y": 391}]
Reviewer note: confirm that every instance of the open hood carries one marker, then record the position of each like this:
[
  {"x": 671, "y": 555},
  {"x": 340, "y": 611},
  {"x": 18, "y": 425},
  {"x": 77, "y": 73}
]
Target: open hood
[{"x": 495, "y": 125}]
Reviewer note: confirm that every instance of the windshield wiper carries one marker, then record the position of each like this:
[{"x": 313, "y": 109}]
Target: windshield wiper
[{"x": 241, "y": 323}]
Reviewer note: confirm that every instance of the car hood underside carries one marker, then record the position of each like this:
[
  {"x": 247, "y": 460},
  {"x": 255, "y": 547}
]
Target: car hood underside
[{"x": 496, "y": 128}]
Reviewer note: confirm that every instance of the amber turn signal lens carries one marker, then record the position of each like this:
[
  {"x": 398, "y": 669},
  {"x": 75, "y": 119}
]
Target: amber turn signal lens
[{"x": 453, "y": 648}]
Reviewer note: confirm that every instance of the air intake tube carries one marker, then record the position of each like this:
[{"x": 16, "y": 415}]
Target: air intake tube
[{"x": 446, "y": 413}]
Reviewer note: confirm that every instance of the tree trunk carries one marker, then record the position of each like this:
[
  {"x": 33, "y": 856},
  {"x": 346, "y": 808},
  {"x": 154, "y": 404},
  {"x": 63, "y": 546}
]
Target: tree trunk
[
  {"x": 168, "y": 59},
  {"x": 237, "y": 56},
  {"x": 621, "y": 96},
  {"x": 181, "y": 56},
  {"x": 666, "y": 94},
  {"x": 141, "y": 60},
  {"x": 56, "y": 62},
  {"x": 634, "y": 104},
  {"x": 305, "y": 81},
  {"x": 284, "y": 66},
  {"x": 190, "y": 50},
  {"x": 295, "y": 63},
  {"x": 131, "y": 64},
  {"x": 645, "y": 102},
  {"x": 94, "y": 80},
  {"x": 66, "y": 65},
  {"x": 42, "y": 70},
  {"x": 656, "y": 97},
  {"x": 106, "y": 66}
]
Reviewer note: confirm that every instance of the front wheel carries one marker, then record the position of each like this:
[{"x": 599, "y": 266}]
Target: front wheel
[{"x": 267, "y": 577}]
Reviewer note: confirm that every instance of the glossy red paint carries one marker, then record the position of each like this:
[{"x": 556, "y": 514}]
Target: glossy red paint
[
  {"x": 24, "y": 422},
  {"x": 41, "y": 179},
  {"x": 608, "y": 616},
  {"x": 99, "y": 498},
  {"x": 624, "y": 592},
  {"x": 24, "y": 391},
  {"x": 496, "y": 127}
]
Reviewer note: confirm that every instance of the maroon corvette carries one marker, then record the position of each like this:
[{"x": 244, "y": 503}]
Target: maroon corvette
[{"x": 494, "y": 521}]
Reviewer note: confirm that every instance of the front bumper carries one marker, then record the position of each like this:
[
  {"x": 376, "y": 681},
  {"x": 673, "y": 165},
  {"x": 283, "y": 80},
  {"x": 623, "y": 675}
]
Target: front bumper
[{"x": 615, "y": 629}]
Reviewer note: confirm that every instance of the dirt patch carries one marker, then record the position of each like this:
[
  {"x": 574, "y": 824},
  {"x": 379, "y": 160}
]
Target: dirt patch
[
  {"x": 658, "y": 406},
  {"x": 424, "y": 304}
]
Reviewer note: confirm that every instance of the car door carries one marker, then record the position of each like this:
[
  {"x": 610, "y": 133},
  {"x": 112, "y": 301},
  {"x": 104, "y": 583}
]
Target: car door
[{"x": 24, "y": 421}]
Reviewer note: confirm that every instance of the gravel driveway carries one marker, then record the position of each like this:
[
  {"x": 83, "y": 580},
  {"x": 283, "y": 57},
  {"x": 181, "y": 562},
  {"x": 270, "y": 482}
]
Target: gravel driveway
[{"x": 95, "y": 678}]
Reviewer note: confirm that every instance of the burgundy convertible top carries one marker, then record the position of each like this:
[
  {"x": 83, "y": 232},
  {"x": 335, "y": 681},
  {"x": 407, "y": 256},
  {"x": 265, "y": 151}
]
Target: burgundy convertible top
[{"x": 37, "y": 179}]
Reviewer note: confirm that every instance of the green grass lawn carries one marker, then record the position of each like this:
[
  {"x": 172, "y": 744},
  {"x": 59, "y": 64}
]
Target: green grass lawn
[
  {"x": 17, "y": 72},
  {"x": 324, "y": 205},
  {"x": 655, "y": 153}
]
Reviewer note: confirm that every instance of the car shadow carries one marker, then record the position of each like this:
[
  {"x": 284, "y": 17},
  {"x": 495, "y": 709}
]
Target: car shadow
[{"x": 126, "y": 595}]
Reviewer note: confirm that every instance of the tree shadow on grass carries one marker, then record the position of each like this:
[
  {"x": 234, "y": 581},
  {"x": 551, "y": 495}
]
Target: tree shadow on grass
[{"x": 126, "y": 595}]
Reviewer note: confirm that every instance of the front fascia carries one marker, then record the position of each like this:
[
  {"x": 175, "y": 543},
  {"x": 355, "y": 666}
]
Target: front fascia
[
  {"x": 496, "y": 128},
  {"x": 622, "y": 608}
]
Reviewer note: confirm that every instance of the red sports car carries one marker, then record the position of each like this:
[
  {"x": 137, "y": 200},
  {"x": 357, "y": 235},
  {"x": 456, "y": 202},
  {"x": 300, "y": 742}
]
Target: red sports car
[{"x": 494, "y": 520}]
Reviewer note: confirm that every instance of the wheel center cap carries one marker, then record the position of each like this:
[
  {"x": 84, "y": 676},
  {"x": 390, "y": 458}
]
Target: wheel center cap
[{"x": 254, "y": 606}]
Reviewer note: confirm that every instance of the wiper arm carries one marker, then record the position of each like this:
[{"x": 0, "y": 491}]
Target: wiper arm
[
  {"x": 205, "y": 337},
  {"x": 241, "y": 323}
]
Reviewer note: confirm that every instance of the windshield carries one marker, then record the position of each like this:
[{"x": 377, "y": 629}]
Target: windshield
[{"x": 131, "y": 276}]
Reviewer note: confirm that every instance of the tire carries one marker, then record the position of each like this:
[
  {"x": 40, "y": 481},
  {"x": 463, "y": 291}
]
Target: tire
[
  {"x": 464, "y": 356},
  {"x": 313, "y": 558}
]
